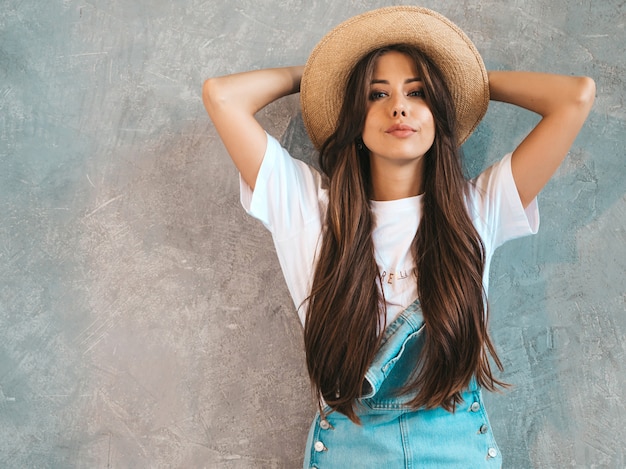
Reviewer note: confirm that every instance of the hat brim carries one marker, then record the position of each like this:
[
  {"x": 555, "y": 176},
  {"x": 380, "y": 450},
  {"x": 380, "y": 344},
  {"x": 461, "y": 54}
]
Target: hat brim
[{"x": 329, "y": 65}]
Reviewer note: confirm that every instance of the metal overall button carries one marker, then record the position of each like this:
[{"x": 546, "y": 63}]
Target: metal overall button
[
  {"x": 324, "y": 424},
  {"x": 492, "y": 453},
  {"x": 319, "y": 446},
  {"x": 483, "y": 429},
  {"x": 475, "y": 407}
]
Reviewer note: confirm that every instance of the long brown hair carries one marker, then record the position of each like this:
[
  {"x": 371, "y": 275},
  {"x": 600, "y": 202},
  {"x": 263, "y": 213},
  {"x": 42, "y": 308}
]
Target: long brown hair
[{"x": 343, "y": 324}]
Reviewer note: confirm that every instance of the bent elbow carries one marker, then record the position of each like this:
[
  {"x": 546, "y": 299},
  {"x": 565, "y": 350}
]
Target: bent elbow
[
  {"x": 213, "y": 94},
  {"x": 586, "y": 92}
]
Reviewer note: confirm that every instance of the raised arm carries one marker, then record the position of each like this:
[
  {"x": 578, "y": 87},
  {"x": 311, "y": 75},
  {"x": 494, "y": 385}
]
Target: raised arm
[
  {"x": 233, "y": 100},
  {"x": 563, "y": 102}
]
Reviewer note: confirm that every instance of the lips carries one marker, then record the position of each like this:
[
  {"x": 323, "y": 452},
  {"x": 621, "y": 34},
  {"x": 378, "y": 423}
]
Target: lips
[{"x": 400, "y": 130}]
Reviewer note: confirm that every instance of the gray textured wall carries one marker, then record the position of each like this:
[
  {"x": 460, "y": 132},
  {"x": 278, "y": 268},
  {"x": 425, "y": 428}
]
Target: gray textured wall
[{"x": 143, "y": 318}]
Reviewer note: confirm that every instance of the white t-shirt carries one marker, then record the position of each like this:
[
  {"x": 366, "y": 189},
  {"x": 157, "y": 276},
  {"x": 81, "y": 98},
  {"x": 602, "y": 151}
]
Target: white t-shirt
[{"x": 289, "y": 200}]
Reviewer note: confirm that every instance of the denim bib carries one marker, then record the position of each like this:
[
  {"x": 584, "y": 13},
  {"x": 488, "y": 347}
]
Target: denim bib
[{"x": 392, "y": 435}]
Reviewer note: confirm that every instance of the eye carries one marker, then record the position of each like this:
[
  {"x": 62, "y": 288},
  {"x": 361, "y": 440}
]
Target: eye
[
  {"x": 376, "y": 94},
  {"x": 417, "y": 93}
]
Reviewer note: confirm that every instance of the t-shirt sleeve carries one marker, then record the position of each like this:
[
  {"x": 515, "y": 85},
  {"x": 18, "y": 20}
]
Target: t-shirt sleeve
[
  {"x": 287, "y": 193},
  {"x": 496, "y": 208},
  {"x": 289, "y": 200}
]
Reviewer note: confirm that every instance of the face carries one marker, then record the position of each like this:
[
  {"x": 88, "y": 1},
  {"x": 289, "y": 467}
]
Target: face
[{"x": 399, "y": 126}]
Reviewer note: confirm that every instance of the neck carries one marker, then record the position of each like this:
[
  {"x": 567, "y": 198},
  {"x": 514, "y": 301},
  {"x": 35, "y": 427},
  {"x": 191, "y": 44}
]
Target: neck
[{"x": 392, "y": 180}]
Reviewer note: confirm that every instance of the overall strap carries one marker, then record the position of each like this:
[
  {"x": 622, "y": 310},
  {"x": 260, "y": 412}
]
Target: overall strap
[{"x": 407, "y": 325}]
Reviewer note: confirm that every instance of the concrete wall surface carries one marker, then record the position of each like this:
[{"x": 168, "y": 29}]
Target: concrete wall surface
[{"x": 144, "y": 321}]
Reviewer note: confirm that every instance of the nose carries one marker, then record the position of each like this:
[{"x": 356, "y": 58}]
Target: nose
[{"x": 398, "y": 107}]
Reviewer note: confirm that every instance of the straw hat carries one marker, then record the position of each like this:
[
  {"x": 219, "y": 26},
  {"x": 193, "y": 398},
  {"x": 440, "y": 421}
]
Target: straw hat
[{"x": 329, "y": 65}]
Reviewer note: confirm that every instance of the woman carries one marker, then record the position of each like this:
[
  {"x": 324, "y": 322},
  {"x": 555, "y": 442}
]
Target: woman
[{"x": 386, "y": 253}]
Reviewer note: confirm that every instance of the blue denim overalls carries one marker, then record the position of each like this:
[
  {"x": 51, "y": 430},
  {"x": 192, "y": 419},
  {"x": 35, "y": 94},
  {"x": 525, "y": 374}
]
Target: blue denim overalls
[{"x": 391, "y": 434}]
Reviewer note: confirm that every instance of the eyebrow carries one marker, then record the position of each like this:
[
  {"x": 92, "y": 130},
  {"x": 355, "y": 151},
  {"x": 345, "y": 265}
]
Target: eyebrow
[{"x": 386, "y": 82}]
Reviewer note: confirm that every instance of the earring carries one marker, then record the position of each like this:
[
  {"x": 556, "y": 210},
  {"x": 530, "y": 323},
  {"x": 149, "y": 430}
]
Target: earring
[{"x": 359, "y": 143}]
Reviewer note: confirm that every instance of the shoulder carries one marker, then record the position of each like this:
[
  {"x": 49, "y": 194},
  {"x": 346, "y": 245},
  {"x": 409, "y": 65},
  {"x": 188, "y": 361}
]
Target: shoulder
[
  {"x": 288, "y": 193},
  {"x": 494, "y": 185},
  {"x": 495, "y": 207}
]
